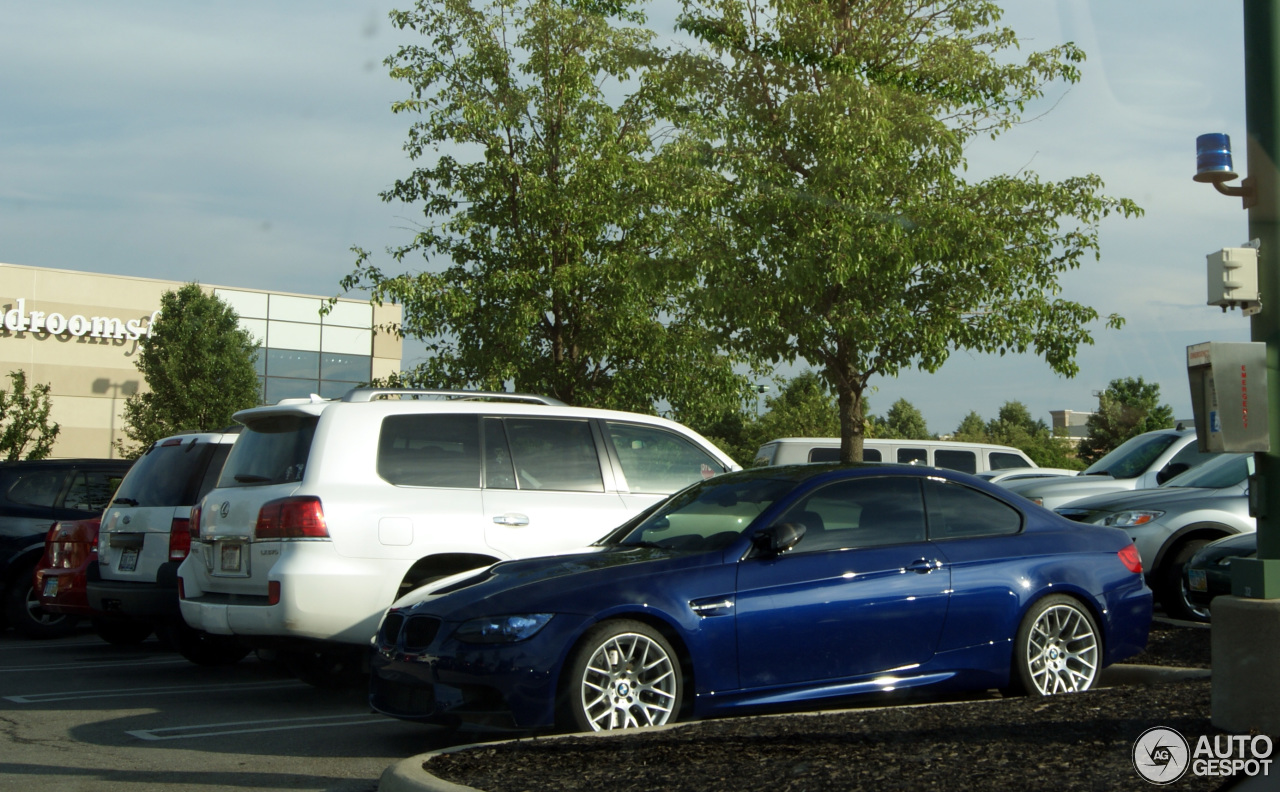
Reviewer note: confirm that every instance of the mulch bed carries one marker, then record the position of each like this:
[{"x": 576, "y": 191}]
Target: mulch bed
[{"x": 1075, "y": 742}]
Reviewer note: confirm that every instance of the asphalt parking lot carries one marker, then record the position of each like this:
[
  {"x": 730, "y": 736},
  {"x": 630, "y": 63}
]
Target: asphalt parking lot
[{"x": 80, "y": 714}]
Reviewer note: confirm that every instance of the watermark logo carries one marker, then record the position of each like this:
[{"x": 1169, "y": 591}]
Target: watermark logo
[{"x": 1160, "y": 755}]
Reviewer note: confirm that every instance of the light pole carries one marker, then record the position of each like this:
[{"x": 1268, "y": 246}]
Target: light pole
[{"x": 760, "y": 390}]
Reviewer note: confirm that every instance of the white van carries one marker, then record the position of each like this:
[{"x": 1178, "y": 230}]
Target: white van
[{"x": 966, "y": 457}]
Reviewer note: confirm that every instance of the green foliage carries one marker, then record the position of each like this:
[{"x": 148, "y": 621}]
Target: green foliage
[
  {"x": 544, "y": 235},
  {"x": 804, "y": 407},
  {"x": 199, "y": 369},
  {"x": 903, "y": 422},
  {"x": 25, "y": 429},
  {"x": 1127, "y": 408},
  {"x": 1015, "y": 427},
  {"x": 972, "y": 429},
  {"x": 828, "y": 214}
]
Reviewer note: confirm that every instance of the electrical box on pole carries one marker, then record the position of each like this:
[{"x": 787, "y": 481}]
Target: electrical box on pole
[
  {"x": 1233, "y": 279},
  {"x": 1229, "y": 396}
]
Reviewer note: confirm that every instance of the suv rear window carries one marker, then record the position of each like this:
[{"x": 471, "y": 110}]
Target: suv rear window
[
  {"x": 271, "y": 450},
  {"x": 167, "y": 475}
]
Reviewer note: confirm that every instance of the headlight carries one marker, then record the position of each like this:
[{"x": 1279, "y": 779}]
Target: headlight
[
  {"x": 502, "y": 629},
  {"x": 1128, "y": 519}
]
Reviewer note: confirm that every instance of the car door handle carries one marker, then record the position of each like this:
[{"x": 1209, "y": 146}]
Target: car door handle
[
  {"x": 924, "y": 566},
  {"x": 511, "y": 519}
]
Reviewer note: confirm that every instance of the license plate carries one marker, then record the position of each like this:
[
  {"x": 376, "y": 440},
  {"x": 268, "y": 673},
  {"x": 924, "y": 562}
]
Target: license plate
[
  {"x": 1198, "y": 580},
  {"x": 230, "y": 558},
  {"x": 51, "y": 587},
  {"x": 128, "y": 559}
]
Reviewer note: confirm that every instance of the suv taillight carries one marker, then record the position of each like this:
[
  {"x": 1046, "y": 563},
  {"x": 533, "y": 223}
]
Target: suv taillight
[
  {"x": 1131, "y": 559},
  {"x": 193, "y": 527},
  {"x": 179, "y": 538},
  {"x": 292, "y": 518}
]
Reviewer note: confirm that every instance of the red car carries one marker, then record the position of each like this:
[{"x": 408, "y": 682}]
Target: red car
[{"x": 69, "y": 548}]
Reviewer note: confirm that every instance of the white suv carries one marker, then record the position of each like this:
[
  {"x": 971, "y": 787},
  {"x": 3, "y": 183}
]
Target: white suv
[{"x": 327, "y": 511}]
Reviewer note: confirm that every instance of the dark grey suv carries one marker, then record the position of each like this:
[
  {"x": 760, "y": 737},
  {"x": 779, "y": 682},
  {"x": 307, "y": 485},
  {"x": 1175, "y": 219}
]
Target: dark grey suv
[{"x": 33, "y": 496}]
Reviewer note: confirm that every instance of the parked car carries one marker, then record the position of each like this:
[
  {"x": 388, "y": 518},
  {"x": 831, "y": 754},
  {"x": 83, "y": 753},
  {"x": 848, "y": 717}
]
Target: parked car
[
  {"x": 1171, "y": 522},
  {"x": 773, "y": 587},
  {"x": 1141, "y": 462},
  {"x": 1023, "y": 474},
  {"x": 146, "y": 532},
  {"x": 33, "y": 496},
  {"x": 953, "y": 455},
  {"x": 327, "y": 511},
  {"x": 1208, "y": 573}
]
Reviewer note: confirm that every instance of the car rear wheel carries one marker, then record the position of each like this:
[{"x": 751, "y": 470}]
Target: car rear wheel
[
  {"x": 1173, "y": 584},
  {"x": 122, "y": 632},
  {"x": 24, "y": 614},
  {"x": 623, "y": 675},
  {"x": 1057, "y": 649}
]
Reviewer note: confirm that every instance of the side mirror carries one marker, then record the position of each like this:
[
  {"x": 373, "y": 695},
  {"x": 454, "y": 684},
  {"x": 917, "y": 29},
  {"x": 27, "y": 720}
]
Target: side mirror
[
  {"x": 1170, "y": 470},
  {"x": 779, "y": 538}
]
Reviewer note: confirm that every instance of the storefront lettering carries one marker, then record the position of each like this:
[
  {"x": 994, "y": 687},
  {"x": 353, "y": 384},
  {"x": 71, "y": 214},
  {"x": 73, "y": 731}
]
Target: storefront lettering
[{"x": 18, "y": 320}]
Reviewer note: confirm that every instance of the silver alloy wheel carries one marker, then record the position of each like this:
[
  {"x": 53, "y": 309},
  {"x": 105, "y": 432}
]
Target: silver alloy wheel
[
  {"x": 629, "y": 681},
  {"x": 1062, "y": 651}
]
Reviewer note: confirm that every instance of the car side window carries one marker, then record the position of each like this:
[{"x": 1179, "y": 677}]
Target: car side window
[
  {"x": 1003, "y": 460},
  {"x": 554, "y": 454},
  {"x": 956, "y": 511},
  {"x": 91, "y": 490},
  {"x": 656, "y": 460},
  {"x": 862, "y": 512},
  {"x": 498, "y": 471},
  {"x": 430, "y": 451},
  {"x": 37, "y": 488},
  {"x": 952, "y": 459},
  {"x": 211, "y": 473},
  {"x": 913, "y": 456}
]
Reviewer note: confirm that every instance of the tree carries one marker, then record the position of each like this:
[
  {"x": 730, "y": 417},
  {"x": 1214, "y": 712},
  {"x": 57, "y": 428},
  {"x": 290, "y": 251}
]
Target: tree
[
  {"x": 542, "y": 187},
  {"x": 804, "y": 407},
  {"x": 199, "y": 369},
  {"x": 831, "y": 221},
  {"x": 904, "y": 422},
  {"x": 1127, "y": 408},
  {"x": 972, "y": 429},
  {"x": 25, "y": 429},
  {"x": 1015, "y": 427}
]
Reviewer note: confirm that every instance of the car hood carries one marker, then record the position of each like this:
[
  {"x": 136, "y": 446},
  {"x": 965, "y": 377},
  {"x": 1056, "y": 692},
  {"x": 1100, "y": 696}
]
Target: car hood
[
  {"x": 1158, "y": 498},
  {"x": 1070, "y": 487},
  {"x": 562, "y": 584}
]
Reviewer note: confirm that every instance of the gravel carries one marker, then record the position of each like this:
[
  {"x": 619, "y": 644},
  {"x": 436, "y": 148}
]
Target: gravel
[{"x": 989, "y": 743}]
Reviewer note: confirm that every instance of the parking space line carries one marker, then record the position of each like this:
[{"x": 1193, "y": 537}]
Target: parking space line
[
  {"x": 44, "y": 698},
  {"x": 94, "y": 664},
  {"x": 250, "y": 727}
]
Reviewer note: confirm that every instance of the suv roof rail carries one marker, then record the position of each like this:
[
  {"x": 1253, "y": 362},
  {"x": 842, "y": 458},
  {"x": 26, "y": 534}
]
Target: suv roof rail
[{"x": 369, "y": 394}]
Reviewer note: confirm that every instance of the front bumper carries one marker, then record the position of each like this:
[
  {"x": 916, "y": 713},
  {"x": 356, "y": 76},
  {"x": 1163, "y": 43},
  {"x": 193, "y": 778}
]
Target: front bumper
[{"x": 511, "y": 685}]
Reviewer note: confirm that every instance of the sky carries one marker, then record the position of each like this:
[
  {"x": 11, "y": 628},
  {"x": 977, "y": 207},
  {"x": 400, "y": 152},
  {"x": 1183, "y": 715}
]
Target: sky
[{"x": 244, "y": 144}]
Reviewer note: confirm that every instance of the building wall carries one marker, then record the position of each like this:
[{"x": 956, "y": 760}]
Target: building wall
[{"x": 91, "y": 372}]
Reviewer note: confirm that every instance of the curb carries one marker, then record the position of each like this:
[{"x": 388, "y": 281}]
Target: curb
[{"x": 410, "y": 775}]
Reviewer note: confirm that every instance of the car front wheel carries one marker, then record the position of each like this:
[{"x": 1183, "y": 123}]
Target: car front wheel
[
  {"x": 1174, "y": 594},
  {"x": 624, "y": 675},
  {"x": 24, "y": 614},
  {"x": 1057, "y": 649}
]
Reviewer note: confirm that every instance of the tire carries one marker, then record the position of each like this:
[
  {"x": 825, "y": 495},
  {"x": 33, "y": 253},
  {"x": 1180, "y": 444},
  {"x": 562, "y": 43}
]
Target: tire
[
  {"x": 624, "y": 674},
  {"x": 24, "y": 614},
  {"x": 122, "y": 632},
  {"x": 1173, "y": 584},
  {"x": 1057, "y": 649},
  {"x": 328, "y": 669},
  {"x": 202, "y": 648}
]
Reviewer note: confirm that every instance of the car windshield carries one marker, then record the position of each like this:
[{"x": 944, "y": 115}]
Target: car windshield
[
  {"x": 1226, "y": 470},
  {"x": 707, "y": 516},
  {"x": 1132, "y": 457}
]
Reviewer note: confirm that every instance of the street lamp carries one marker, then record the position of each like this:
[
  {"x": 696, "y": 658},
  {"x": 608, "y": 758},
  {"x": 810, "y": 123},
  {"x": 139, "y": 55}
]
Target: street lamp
[{"x": 760, "y": 391}]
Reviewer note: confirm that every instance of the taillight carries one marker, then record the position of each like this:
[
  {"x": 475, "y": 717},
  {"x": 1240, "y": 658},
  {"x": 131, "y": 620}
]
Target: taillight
[
  {"x": 273, "y": 592},
  {"x": 179, "y": 538},
  {"x": 292, "y": 518},
  {"x": 194, "y": 526},
  {"x": 1131, "y": 559}
]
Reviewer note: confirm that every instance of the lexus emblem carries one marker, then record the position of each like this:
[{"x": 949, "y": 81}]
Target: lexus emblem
[{"x": 224, "y": 508}]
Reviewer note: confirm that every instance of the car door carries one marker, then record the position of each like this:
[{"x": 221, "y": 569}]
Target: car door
[
  {"x": 544, "y": 489},
  {"x": 863, "y": 592}
]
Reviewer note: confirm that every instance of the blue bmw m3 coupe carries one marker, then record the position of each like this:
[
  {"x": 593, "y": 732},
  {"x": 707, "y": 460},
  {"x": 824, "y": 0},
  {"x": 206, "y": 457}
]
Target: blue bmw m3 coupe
[{"x": 780, "y": 587}]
